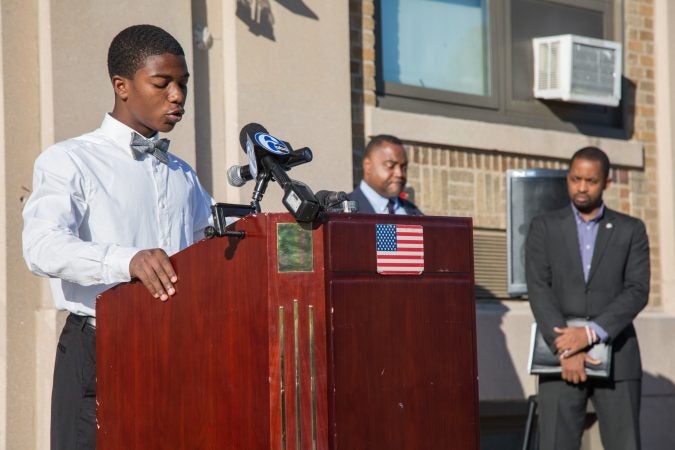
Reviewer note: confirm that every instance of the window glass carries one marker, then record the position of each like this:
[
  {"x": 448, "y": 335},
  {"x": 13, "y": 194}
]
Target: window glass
[{"x": 438, "y": 44}]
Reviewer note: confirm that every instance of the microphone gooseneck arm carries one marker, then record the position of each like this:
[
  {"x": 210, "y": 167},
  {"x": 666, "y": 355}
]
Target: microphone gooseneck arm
[{"x": 260, "y": 186}]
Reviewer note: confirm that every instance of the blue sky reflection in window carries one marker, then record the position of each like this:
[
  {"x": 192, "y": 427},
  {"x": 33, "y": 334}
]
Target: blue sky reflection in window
[{"x": 438, "y": 44}]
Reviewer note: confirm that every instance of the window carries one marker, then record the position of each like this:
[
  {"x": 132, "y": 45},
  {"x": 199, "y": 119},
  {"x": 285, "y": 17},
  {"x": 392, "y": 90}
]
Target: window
[
  {"x": 473, "y": 59},
  {"x": 415, "y": 33},
  {"x": 423, "y": 42}
]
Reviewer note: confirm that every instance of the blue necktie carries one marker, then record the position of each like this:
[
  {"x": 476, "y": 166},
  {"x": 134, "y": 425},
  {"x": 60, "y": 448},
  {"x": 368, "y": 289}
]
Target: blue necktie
[
  {"x": 390, "y": 206},
  {"x": 141, "y": 145}
]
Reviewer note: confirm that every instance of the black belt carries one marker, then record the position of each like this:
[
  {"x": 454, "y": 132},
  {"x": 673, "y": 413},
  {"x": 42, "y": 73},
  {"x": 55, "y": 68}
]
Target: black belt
[{"x": 83, "y": 321}]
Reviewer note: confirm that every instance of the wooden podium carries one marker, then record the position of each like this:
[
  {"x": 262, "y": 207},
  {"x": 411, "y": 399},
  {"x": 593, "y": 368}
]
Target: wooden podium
[{"x": 288, "y": 338}]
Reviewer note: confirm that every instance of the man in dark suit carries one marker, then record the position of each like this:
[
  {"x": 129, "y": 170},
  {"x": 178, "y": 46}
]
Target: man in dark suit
[
  {"x": 588, "y": 261},
  {"x": 385, "y": 165}
]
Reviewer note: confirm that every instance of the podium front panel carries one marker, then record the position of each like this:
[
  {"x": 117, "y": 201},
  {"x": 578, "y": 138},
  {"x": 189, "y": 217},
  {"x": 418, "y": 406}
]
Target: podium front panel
[
  {"x": 402, "y": 363},
  {"x": 403, "y": 347}
]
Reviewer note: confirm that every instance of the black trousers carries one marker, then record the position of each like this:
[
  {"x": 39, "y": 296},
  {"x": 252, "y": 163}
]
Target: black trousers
[
  {"x": 74, "y": 393},
  {"x": 562, "y": 410}
]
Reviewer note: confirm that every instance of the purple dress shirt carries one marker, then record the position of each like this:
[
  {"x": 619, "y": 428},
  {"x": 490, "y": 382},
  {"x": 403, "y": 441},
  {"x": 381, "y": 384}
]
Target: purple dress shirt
[{"x": 587, "y": 232}]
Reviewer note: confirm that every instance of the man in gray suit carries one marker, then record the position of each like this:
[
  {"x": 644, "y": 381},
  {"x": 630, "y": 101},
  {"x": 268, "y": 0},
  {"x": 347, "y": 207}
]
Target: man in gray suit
[
  {"x": 588, "y": 261},
  {"x": 385, "y": 166}
]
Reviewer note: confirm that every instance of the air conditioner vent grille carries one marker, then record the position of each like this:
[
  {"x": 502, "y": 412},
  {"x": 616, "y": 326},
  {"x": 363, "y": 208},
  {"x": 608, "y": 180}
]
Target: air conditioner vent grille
[
  {"x": 577, "y": 69},
  {"x": 592, "y": 70}
]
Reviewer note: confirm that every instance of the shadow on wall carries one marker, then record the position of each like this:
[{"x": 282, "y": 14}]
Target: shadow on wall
[
  {"x": 258, "y": 16},
  {"x": 497, "y": 373},
  {"x": 503, "y": 406},
  {"x": 202, "y": 96},
  {"x": 657, "y": 413},
  {"x": 298, "y": 7},
  {"x": 621, "y": 117}
]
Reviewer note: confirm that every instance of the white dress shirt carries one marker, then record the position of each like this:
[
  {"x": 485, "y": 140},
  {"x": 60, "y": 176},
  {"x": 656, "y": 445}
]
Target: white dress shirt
[
  {"x": 94, "y": 206},
  {"x": 380, "y": 203}
]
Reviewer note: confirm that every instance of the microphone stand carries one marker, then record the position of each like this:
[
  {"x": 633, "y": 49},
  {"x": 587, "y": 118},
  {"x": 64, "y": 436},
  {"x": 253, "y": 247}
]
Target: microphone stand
[{"x": 261, "y": 182}]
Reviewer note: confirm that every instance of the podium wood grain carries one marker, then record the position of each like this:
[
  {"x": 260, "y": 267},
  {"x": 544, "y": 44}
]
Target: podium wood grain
[{"x": 245, "y": 357}]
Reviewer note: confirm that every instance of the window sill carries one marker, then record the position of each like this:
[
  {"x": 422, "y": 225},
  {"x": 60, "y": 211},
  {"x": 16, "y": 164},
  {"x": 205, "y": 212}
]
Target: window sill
[{"x": 512, "y": 139}]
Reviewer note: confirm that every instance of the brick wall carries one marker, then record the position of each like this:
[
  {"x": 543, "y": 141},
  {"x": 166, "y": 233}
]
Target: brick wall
[
  {"x": 471, "y": 182},
  {"x": 639, "y": 69},
  {"x": 466, "y": 182},
  {"x": 362, "y": 56}
]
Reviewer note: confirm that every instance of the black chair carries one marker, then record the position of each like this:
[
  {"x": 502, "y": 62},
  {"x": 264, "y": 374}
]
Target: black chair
[{"x": 530, "y": 440}]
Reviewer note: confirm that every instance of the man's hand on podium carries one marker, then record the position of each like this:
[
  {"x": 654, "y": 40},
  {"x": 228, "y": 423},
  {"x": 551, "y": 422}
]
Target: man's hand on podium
[{"x": 153, "y": 268}]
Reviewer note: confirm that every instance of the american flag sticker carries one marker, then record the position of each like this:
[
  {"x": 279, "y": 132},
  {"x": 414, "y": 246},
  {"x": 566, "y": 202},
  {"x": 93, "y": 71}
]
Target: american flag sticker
[{"x": 400, "y": 249}]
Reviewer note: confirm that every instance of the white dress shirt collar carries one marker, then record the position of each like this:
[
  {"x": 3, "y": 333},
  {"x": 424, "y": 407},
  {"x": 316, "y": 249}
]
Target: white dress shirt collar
[{"x": 378, "y": 202}]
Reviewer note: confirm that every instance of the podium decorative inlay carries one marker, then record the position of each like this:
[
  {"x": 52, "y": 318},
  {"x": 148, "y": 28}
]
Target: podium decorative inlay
[{"x": 294, "y": 248}]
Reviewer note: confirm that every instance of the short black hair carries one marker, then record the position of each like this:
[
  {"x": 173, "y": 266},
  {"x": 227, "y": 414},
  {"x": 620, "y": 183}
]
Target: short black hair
[
  {"x": 593, "y": 154},
  {"x": 132, "y": 46},
  {"x": 376, "y": 141}
]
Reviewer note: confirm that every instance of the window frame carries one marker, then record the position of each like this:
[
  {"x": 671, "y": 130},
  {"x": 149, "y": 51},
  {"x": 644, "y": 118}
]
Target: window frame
[{"x": 500, "y": 106}]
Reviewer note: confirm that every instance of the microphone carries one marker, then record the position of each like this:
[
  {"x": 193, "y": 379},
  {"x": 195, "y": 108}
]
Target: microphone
[
  {"x": 298, "y": 198},
  {"x": 329, "y": 199},
  {"x": 237, "y": 176},
  {"x": 248, "y": 132},
  {"x": 274, "y": 158},
  {"x": 332, "y": 201},
  {"x": 256, "y": 142}
]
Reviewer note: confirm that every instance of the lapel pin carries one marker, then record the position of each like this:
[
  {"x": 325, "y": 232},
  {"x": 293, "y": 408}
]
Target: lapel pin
[{"x": 609, "y": 226}]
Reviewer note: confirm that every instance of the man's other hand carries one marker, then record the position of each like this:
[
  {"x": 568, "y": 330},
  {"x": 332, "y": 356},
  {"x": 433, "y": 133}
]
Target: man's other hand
[
  {"x": 570, "y": 340},
  {"x": 573, "y": 368},
  {"x": 155, "y": 271}
]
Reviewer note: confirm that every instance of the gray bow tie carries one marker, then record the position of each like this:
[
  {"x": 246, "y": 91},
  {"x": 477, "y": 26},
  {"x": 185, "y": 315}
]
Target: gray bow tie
[{"x": 158, "y": 148}]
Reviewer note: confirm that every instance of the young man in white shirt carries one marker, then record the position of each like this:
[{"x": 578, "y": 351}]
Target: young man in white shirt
[{"x": 109, "y": 206}]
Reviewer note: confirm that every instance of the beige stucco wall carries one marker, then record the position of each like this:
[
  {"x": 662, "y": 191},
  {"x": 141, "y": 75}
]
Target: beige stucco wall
[
  {"x": 297, "y": 86},
  {"x": 285, "y": 69},
  {"x": 20, "y": 292},
  {"x": 3, "y": 243},
  {"x": 664, "y": 43}
]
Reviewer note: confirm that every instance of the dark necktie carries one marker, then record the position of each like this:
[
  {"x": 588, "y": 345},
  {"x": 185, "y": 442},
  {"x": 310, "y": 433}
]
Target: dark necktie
[
  {"x": 141, "y": 145},
  {"x": 390, "y": 206}
]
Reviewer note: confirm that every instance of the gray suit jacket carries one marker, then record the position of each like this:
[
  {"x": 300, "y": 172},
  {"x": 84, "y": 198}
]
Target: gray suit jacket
[
  {"x": 366, "y": 208},
  {"x": 618, "y": 282}
]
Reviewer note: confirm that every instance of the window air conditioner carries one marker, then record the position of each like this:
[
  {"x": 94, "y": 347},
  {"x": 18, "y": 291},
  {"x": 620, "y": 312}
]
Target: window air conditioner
[{"x": 577, "y": 69}]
